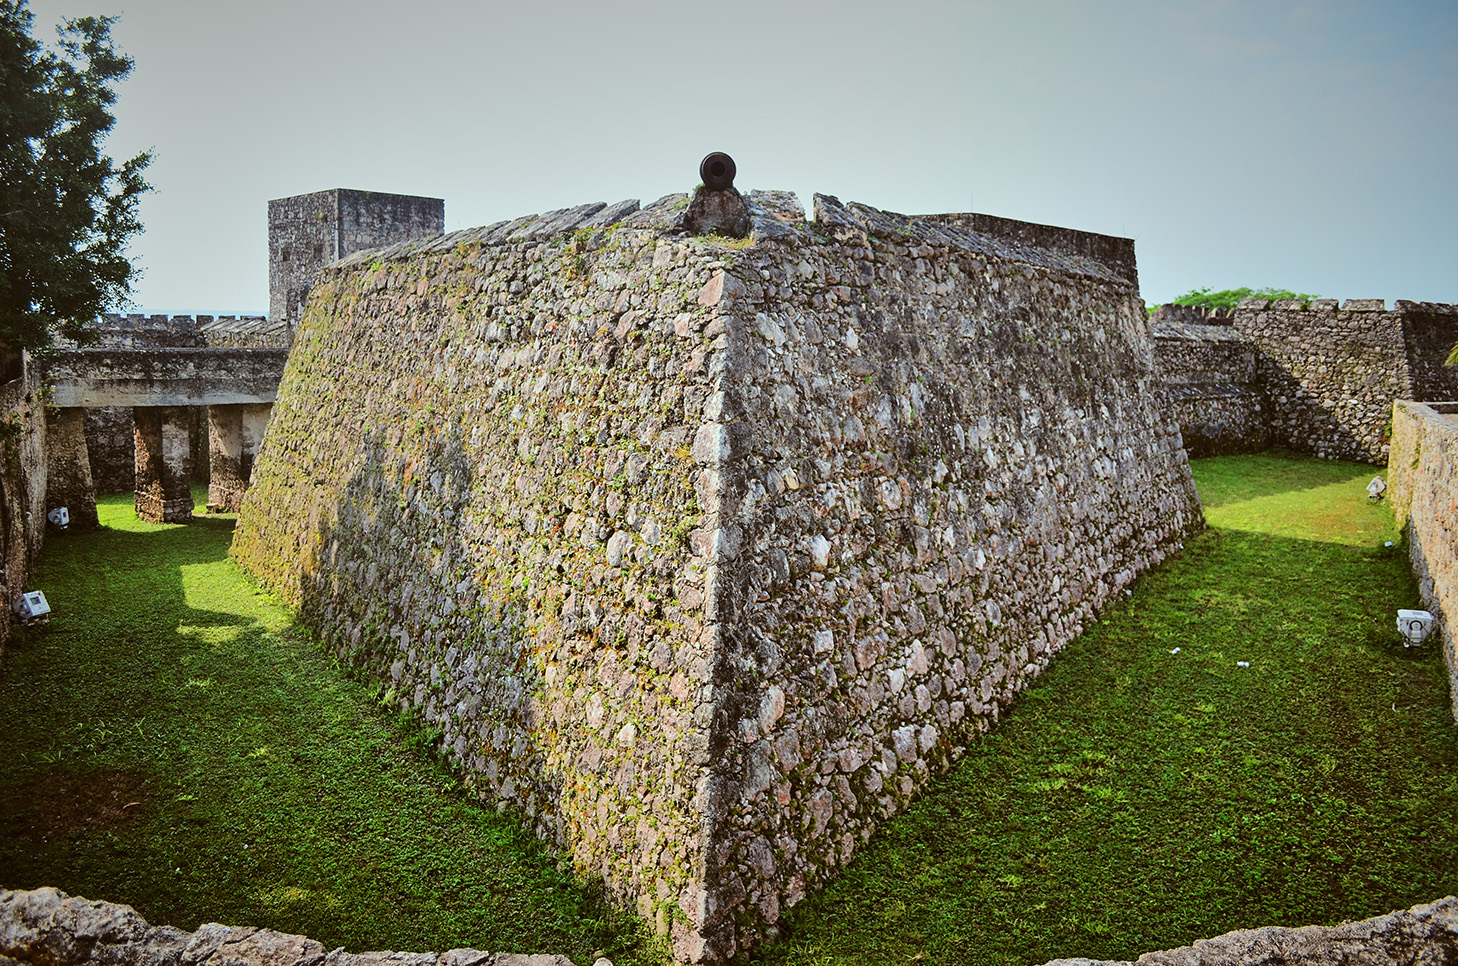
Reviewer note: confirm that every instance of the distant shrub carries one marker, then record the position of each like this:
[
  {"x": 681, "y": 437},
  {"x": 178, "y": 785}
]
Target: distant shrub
[{"x": 1231, "y": 297}]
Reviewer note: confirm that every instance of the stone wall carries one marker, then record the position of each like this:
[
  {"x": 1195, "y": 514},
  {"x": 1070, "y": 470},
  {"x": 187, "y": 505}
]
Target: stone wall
[
  {"x": 1317, "y": 377},
  {"x": 46, "y": 927},
  {"x": 1422, "y": 478},
  {"x": 1431, "y": 330},
  {"x": 1210, "y": 375},
  {"x": 706, "y": 555},
  {"x": 22, "y": 484},
  {"x": 109, "y": 448},
  {"x": 1331, "y": 373}
]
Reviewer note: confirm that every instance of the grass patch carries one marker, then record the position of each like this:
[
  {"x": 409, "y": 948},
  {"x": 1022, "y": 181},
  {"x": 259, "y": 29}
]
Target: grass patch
[
  {"x": 1137, "y": 799},
  {"x": 174, "y": 742}
]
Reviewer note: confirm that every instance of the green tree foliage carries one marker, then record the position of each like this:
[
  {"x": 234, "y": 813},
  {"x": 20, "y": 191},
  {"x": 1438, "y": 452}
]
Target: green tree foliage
[
  {"x": 1231, "y": 297},
  {"x": 66, "y": 209}
]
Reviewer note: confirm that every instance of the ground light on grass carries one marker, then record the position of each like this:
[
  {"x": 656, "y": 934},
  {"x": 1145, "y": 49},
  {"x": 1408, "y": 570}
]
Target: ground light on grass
[
  {"x": 1243, "y": 742},
  {"x": 173, "y": 742}
]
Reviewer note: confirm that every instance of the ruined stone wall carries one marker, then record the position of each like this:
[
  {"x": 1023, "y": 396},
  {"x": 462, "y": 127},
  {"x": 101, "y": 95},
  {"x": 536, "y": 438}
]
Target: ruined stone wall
[
  {"x": 1210, "y": 373},
  {"x": 707, "y": 555},
  {"x": 46, "y": 927},
  {"x": 1422, "y": 480}
]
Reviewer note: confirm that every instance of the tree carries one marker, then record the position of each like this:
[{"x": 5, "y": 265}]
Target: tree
[
  {"x": 1231, "y": 297},
  {"x": 66, "y": 209}
]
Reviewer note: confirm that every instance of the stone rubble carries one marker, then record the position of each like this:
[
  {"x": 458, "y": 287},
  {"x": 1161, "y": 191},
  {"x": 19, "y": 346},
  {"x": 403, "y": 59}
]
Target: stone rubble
[{"x": 46, "y": 927}]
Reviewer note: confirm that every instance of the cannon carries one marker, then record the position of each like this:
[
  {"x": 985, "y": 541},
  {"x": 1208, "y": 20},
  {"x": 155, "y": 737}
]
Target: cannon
[
  {"x": 716, "y": 171},
  {"x": 717, "y": 207}
]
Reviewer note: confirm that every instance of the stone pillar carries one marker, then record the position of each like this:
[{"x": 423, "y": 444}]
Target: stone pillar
[
  {"x": 68, "y": 467},
  {"x": 164, "y": 463},
  {"x": 226, "y": 480},
  {"x": 255, "y": 424}
]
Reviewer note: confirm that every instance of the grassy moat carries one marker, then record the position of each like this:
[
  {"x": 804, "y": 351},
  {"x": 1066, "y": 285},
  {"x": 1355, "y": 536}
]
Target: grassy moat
[{"x": 173, "y": 742}]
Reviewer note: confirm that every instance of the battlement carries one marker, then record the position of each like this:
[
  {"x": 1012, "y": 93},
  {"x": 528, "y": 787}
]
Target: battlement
[
  {"x": 159, "y": 331},
  {"x": 1191, "y": 315}
]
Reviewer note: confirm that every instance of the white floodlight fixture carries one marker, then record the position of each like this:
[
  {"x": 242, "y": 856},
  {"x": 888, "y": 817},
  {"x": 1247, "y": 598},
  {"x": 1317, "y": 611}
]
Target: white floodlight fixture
[
  {"x": 1414, "y": 626},
  {"x": 60, "y": 518},
  {"x": 1376, "y": 488},
  {"x": 32, "y": 608}
]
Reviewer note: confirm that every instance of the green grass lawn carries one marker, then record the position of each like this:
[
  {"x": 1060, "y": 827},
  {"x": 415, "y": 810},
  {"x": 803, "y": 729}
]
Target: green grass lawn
[
  {"x": 1134, "y": 799},
  {"x": 271, "y": 789}
]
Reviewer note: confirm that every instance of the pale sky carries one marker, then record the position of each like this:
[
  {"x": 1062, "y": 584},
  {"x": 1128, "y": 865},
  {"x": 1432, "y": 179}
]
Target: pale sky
[{"x": 1305, "y": 145}]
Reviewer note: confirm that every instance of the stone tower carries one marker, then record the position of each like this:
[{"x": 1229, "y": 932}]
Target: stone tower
[{"x": 307, "y": 232}]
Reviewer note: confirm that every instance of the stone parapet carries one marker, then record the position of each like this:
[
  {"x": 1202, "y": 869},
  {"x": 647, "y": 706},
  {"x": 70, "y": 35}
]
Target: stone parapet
[
  {"x": 164, "y": 377},
  {"x": 1422, "y": 478}
]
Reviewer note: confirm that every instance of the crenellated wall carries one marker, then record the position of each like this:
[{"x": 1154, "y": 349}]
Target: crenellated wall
[{"x": 706, "y": 555}]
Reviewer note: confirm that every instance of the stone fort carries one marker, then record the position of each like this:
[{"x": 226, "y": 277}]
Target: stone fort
[{"x": 705, "y": 553}]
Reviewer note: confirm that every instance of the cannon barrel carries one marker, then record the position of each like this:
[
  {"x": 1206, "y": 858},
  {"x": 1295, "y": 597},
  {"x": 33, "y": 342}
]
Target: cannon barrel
[{"x": 716, "y": 171}]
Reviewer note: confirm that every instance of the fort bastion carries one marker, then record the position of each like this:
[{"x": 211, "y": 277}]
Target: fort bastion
[{"x": 703, "y": 553}]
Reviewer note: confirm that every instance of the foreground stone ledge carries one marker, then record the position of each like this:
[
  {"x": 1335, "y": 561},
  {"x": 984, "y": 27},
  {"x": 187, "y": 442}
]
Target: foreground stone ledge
[
  {"x": 1425, "y": 934},
  {"x": 46, "y": 927}
]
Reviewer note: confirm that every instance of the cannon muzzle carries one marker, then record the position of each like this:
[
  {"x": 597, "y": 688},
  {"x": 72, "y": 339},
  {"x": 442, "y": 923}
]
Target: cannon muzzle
[{"x": 716, "y": 171}]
